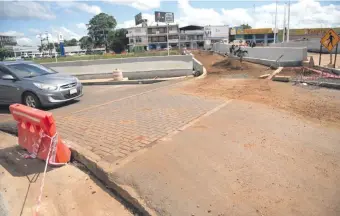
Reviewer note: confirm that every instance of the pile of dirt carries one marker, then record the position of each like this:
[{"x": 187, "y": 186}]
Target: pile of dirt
[
  {"x": 222, "y": 66},
  {"x": 320, "y": 105},
  {"x": 233, "y": 64}
]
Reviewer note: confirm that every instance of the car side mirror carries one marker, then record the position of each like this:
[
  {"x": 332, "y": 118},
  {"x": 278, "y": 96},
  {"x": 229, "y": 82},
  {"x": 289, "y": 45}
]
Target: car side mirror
[{"x": 8, "y": 77}]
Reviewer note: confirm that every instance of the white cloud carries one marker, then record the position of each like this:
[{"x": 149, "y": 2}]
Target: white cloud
[
  {"x": 138, "y": 4},
  {"x": 12, "y": 33},
  {"x": 92, "y": 9},
  {"x": 67, "y": 33},
  {"x": 304, "y": 14},
  {"x": 24, "y": 41},
  {"x": 131, "y": 23},
  {"x": 81, "y": 26},
  {"x": 25, "y": 10},
  {"x": 35, "y": 31}
]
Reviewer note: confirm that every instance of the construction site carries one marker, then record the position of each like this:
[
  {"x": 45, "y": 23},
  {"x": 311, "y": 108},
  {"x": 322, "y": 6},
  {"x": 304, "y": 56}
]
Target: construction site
[{"x": 231, "y": 79}]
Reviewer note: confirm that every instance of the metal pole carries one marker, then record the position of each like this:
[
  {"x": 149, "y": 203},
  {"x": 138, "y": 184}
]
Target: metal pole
[
  {"x": 167, "y": 37},
  {"x": 320, "y": 54},
  {"x": 336, "y": 53},
  {"x": 288, "y": 21},
  {"x": 275, "y": 34},
  {"x": 284, "y": 22}
]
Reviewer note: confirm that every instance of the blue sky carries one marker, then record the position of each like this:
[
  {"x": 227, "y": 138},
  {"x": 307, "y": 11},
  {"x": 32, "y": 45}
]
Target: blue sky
[{"x": 26, "y": 19}]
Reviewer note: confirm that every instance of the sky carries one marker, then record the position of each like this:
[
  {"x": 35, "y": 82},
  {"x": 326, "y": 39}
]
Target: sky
[{"x": 27, "y": 19}]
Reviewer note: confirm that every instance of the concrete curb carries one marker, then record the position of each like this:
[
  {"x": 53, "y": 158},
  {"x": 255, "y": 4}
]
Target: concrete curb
[
  {"x": 281, "y": 78},
  {"x": 128, "y": 82},
  {"x": 323, "y": 84},
  {"x": 204, "y": 71},
  {"x": 104, "y": 172},
  {"x": 204, "y": 74}
]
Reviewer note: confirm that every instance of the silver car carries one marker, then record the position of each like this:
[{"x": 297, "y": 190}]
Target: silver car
[{"x": 35, "y": 85}]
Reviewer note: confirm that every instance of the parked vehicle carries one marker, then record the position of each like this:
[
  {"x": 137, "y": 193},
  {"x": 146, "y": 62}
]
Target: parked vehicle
[{"x": 35, "y": 85}]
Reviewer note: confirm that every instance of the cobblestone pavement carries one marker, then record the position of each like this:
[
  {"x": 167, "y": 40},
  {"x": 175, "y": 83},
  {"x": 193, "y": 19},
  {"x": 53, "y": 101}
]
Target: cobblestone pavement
[
  {"x": 116, "y": 129},
  {"x": 115, "y": 121}
]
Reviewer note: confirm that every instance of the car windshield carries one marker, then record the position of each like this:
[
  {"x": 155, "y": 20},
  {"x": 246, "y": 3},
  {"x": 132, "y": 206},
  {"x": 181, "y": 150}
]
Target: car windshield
[{"x": 30, "y": 70}]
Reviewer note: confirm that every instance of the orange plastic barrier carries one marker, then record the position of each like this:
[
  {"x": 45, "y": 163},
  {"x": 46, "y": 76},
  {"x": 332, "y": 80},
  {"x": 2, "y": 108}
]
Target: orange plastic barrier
[{"x": 36, "y": 131}]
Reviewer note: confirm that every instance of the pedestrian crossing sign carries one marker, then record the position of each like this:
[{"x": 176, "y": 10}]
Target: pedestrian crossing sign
[{"x": 330, "y": 40}]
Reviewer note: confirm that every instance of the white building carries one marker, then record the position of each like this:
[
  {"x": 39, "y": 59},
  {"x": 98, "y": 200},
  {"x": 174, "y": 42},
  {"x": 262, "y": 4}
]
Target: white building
[
  {"x": 137, "y": 37},
  {"x": 153, "y": 37},
  {"x": 192, "y": 37}
]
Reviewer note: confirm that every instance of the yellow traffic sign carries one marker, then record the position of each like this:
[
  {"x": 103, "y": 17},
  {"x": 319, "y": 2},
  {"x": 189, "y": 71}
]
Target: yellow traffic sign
[{"x": 330, "y": 39}]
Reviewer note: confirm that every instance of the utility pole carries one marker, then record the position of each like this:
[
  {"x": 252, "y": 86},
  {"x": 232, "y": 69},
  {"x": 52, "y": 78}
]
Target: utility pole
[
  {"x": 275, "y": 26},
  {"x": 167, "y": 37},
  {"x": 284, "y": 22},
  {"x": 288, "y": 21},
  {"x": 48, "y": 43},
  {"x": 41, "y": 40}
]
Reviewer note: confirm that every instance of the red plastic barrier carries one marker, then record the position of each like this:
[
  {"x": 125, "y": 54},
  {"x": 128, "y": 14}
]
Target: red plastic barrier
[{"x": 36, "y": 128}]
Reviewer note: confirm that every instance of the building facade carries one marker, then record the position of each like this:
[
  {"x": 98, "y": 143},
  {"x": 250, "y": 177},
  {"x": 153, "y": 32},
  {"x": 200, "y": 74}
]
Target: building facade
[
  {"x": 153, "y": 37},
  {"x": 158, "y": 36},
  {"x": 8, "y": 40},
  {"x": 260, "y": 36},
  {"x": 312, "y": 34},
  {"x": 137, "y": 37},
  {"x": 191, "y": 37}
]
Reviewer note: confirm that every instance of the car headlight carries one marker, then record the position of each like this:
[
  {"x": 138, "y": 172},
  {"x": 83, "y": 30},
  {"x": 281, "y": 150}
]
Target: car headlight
[{"x": 46, "y": 86}]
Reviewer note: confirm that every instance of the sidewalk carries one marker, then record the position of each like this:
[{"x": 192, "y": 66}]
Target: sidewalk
[
  {"x": 68, "y": 190},
  {"x": 244, "y": 159}
]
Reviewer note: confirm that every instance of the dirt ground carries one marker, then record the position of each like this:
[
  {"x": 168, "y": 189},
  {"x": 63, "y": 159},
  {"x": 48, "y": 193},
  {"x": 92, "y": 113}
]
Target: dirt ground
[
  {"x": 316, "y": 104},
  {"x": 68, "y": 190},
  {"x": 325, "y": 59}
]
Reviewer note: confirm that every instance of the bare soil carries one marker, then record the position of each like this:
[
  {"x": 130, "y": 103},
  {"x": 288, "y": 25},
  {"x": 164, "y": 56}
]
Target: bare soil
[
  {"x": 321, "y": 105},
  {"x": 298, "y": 72}
]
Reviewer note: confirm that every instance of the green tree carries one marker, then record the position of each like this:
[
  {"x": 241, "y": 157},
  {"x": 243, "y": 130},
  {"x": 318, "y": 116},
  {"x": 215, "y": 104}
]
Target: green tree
[
  {"x": 41, "y": 48},
  {"x": 86, "y": 43},
  {"x": 72, "y": 42},
  {"x": 99, "y": 27},
  {"x": 117, "y": 40},
  {"x": 50, "y": 47},
  {"x": 4, "y": 53},
  {"x": 246, "y": 26},
  {"x": 57, "y": 47}
]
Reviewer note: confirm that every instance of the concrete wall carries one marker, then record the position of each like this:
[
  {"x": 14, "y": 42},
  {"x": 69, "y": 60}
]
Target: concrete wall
[
  {"x": 311, "y": 45},
  {"x": 133, "y": 68},
  {"x": 268, "y": 55}
]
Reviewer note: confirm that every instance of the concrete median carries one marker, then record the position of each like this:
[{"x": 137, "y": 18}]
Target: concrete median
[
  {"x": 269, "y": 55},
  {"x": 132, "y": 68}
]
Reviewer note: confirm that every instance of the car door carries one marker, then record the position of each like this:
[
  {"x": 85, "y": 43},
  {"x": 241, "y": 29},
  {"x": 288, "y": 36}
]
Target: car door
[{"x": 9, "y": 89}]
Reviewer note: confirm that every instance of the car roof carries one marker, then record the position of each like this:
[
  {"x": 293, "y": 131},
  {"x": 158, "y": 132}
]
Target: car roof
[{"x": 15, "y": 62}]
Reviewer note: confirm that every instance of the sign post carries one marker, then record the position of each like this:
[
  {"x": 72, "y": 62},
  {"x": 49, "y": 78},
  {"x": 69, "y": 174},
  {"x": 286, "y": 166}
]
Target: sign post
[
  {"x": 320, "y": 54},
  {"x": 329, "y": 41},
  {"x": 336, "y": 53},
  {"x": 165, "y": 17},
  {"x": 169, "y": 17}
]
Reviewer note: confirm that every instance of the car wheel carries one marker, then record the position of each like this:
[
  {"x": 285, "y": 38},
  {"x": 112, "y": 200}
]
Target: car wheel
[{"x": 31, "y": 100}]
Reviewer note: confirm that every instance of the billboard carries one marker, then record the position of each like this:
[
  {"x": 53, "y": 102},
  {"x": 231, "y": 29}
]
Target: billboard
[
  {"x": 165, "y": 17},
  {"x": 138, "y": 19},
  {"x": 216, "y": 32}
]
